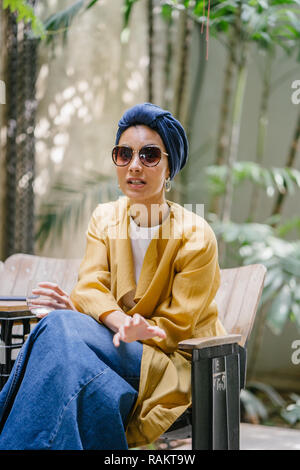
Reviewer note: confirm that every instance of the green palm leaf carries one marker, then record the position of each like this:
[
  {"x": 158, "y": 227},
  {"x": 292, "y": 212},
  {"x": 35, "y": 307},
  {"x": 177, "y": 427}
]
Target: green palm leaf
[
  {"x": 280, "y": 310},
  {"x": 69, "y": 201},
  {"x": 61, "y": 21}
]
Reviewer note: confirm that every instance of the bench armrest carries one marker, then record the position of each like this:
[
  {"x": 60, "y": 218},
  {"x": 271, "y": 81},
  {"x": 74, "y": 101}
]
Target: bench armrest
[{"x": 199, "y": 343}]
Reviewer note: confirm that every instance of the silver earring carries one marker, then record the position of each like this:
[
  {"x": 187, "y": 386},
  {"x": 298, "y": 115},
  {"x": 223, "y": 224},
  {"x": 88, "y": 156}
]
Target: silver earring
[{"x": 168, "y": 185}]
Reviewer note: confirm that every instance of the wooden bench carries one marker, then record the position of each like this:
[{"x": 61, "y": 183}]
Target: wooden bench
[{"x": 218, "y": 363}]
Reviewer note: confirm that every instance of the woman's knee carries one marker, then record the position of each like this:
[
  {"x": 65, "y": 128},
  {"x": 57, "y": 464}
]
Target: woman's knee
[
  {"x": 61, "y": 315},
  {"x": 54, "y": 318},
  {"x": 55, "y": 322}
]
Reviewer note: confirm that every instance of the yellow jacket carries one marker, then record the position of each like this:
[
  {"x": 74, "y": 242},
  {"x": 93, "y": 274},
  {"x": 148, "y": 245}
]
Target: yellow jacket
[{"x": 178, "y": 282}]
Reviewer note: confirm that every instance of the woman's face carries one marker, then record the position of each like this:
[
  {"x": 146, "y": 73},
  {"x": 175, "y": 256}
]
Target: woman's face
[{"x": 153, "y": 178}]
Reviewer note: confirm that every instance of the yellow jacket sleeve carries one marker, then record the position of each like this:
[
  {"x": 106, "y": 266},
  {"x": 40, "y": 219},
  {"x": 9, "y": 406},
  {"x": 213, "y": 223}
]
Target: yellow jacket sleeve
[
  {"x": 187, "y": 312},
  {"x": 92, "y": 294}
]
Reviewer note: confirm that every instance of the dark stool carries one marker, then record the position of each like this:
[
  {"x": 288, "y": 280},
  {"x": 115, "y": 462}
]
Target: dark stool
[{"x": 14, "y": 326}]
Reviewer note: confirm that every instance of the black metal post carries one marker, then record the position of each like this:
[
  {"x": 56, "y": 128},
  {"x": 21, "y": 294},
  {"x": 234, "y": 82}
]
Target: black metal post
[
  {"x": 219, "y": 417},
  {"x": 216, "y": 397},
  {"x": 202, "y": 402},
  {"x": 232, "y": 365}
]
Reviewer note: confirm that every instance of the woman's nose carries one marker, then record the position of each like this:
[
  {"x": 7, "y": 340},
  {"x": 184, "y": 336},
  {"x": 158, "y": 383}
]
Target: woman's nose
[{"x": 135, "y": 163}]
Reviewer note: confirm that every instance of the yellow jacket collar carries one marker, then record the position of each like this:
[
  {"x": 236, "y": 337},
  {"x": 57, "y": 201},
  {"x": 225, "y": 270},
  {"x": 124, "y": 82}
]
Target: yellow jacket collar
[{"x": 125, "y": 266}]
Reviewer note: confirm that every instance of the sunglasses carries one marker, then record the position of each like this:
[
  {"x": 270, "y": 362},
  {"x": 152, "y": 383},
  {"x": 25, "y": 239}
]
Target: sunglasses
[{"x": 150, "y": 155}]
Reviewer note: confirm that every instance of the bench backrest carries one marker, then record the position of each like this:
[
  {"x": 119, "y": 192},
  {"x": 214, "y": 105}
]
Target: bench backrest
[
  {"x": 20, "y": 268},
  {"x": 238, "y": 298}
]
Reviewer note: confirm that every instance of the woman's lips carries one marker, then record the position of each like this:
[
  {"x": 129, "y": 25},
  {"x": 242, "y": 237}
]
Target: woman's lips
[{"x": 136, "y": 184}]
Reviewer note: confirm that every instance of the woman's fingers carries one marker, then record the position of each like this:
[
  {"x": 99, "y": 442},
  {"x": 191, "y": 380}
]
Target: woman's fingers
[
  {"x": 127, "y": 332},
  {"x": 123, "y": 333},
  {"x": 137, "y": 319},
  {"x": 53, "y": 286},
  {"x": 48, "y": 303},
  {"x": 47, "y": 293},
  {"x": 156, "y": 331},
  {"x": 53, "y": 291},
  {"x": 116, "y": 340},
  {"x": 128, "y": 322},
  {"x": 137, "y": 328}
]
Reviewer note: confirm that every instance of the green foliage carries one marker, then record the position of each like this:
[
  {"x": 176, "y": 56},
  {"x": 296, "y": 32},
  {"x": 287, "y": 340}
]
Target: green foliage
[
  {"x": 262, "y": 404},
  {"x": 166, "y": 11},
  {"x": 70, "y": 198},
  {"x": 265, "y": 22},
  {"x": 254, "y": 409},
  {"x": 260, "y": 243},
  {"x": 291, "y": 413},
  {"x": 127, "y": 9},
  {"x": 26, "y": 13},
  {"x": 61, "y": 21},
  {"x": 285, "y": 180},
  {"x": 284, "y": 228},
  {"x": 57, "y": 23}
]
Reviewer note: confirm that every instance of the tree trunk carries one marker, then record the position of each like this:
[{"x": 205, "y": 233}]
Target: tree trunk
[
  {"x": 180, "y": 95},
  {"x": 223, "y": 137},
  {"x": 235, "y": 136},
  {"x": 289, "y": 164},
  {"x": 150, "y": 49},
  {"x": 182, "y": 76},
  {"x": 167, "y": 96},
  {"x": 262, "y": 129},
  {"x": 223, "y": 133},
  {"x": 21, "y": 51},
  {"x": 198, "y": 82},
  {"x": 234, "y": 145}
]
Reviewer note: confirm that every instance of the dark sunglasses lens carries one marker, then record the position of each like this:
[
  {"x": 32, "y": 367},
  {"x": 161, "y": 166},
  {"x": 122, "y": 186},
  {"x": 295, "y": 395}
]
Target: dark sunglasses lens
[
  {"x": 122, "y": 155},
  {"x": 150, "y": 155}
]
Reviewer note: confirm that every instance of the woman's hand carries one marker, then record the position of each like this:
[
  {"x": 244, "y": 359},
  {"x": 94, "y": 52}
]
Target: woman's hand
[
  {"x": 57, "y": 298},
  {"x": 137, "y": 328}
]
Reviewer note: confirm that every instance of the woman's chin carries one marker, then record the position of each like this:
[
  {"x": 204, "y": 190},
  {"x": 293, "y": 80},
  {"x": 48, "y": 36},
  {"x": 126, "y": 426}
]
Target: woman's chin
[
  {"x": 138, "y": 194},
  {"x": 143, "y": 195}
]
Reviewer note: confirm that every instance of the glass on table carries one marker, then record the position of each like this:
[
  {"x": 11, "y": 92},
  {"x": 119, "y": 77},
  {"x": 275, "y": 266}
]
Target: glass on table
[{"x": 37, "y": 303}]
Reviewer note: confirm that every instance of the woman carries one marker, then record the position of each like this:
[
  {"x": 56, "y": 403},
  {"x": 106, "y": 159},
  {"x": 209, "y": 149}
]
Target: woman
[{"x": 149, "y": 277}]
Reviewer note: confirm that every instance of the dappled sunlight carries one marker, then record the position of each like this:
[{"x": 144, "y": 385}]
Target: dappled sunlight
[{"x": 41, "y": 183}]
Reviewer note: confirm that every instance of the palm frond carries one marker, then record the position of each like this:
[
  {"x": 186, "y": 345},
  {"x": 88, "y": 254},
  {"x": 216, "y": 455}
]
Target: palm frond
[
  {"x": 70, "y": 200},
  {"x": 127, "y": 9},
  {"x": 259, "y": 243},
  {"x": 60, "y": 22}
]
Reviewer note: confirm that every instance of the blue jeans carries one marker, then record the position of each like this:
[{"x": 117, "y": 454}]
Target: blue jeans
[{"x": 70, "y": 387}]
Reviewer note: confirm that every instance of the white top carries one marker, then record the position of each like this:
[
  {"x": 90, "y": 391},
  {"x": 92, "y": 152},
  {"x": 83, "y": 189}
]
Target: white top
[{"x": 140, "y": 238}]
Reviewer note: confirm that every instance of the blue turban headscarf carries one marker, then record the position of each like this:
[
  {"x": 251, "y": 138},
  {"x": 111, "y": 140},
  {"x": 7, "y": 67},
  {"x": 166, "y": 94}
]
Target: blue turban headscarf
[{"x": 169, "y": 129}]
